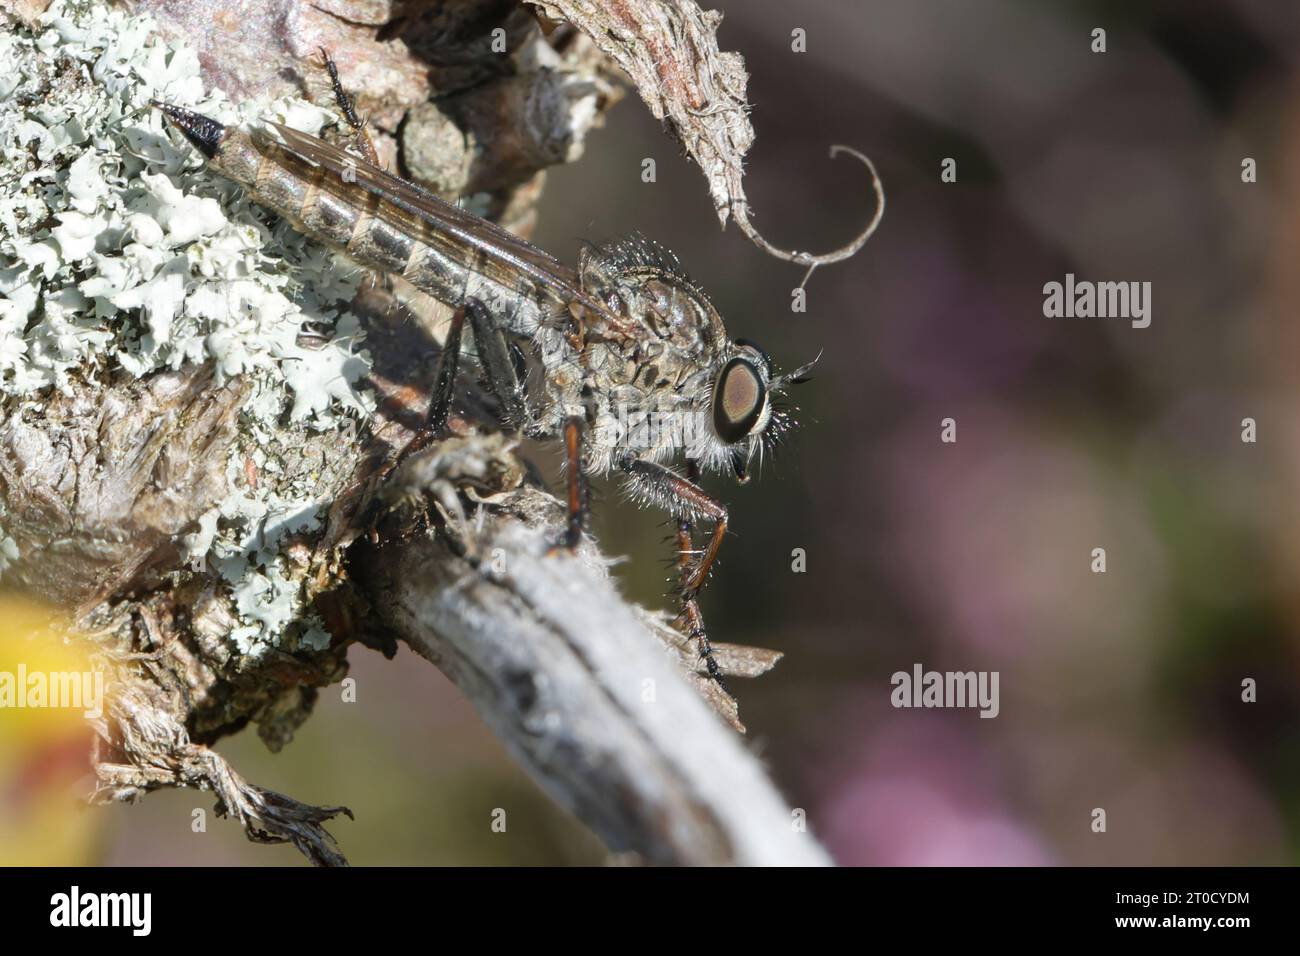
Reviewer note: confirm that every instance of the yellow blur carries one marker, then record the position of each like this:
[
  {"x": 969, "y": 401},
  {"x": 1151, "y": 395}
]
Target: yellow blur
[{"x": 44, "y": 748}]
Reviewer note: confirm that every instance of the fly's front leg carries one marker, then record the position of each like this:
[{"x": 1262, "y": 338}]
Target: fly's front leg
[
  {"x": 692, "y": 618},
  {"x": 349, "y": 112},
  {"x": 686, "y": 552},
  {"x": 685, "y": 500}
]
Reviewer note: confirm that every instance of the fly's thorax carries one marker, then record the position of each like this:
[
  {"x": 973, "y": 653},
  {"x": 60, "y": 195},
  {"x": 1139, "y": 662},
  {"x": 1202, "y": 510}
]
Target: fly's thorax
[
  {"x": 677, "y": 340},
  {"x": 678, "y": 329},
  {"x": 642, "y": 281},
  {"x": 672, "y": 313},
  {"x": 655, "y": 383}
]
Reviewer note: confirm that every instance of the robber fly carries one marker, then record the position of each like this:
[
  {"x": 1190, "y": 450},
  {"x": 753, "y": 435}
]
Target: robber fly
[{"x": 637, "y": 368}]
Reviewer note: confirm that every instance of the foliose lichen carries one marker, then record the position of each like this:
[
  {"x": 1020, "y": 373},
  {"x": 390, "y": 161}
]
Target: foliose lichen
[{"x": 120, "y": 254}]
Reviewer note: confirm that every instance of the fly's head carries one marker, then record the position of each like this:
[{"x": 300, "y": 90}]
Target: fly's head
[
  {"x": 719, "y": 401},
  {"x": 747, "y": 412}
]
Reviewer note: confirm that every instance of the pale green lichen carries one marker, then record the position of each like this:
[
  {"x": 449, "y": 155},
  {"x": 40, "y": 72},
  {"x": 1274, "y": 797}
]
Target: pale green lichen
[{"x": 118, "y": 251}]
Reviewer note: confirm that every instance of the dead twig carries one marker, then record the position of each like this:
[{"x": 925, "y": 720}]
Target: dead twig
[{"x": 587, "y": 695}]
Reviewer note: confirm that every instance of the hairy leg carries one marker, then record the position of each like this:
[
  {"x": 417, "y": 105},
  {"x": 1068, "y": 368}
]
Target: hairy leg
[
  {"x": 503, "y": 378},
  {"x": 684, "y": 499},
  {"x": 349, "y": 112},
  {"x": 578, "y": 499}
]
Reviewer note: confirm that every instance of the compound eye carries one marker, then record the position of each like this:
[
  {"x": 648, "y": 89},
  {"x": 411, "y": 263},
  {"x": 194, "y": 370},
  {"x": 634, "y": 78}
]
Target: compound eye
[{"x": 738, "y": 399}]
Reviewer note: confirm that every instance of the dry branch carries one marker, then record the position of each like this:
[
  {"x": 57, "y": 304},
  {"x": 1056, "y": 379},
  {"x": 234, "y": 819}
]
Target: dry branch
[{"x": 586, "y": 691}]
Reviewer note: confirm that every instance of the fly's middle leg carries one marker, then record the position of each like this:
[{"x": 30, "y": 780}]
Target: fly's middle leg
[
  {"x": 504, "y": 379},
  {"x": 578, "y": 498}
]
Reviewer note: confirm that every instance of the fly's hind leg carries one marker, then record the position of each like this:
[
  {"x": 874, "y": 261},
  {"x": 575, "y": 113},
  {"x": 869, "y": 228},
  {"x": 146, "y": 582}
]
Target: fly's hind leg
[
  {"x": 444, "y": 387},
  {"x": 361, "y": 141},
  {"x": 349, "y": 111},
  {"x": 498, "y": 368},
  {"x": 504, "y": 379},
  {"x": 685, "y": 500}
]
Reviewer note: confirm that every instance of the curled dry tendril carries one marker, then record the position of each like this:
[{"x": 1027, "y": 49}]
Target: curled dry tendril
[{"x": 741, "y": 212}]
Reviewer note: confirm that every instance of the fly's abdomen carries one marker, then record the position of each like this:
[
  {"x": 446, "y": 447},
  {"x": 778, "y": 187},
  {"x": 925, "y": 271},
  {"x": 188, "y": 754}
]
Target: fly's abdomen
[
  {"x": 279, "y": 182},
  {"x": 449, "y": 278},
  {"x": 327, "y": 218},
  {"x": 378, "y": 235},
  {"x": 379, "y": 245}
]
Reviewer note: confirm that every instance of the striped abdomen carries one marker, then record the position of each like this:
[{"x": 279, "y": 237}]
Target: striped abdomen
[{"x": 377, "y": 233}]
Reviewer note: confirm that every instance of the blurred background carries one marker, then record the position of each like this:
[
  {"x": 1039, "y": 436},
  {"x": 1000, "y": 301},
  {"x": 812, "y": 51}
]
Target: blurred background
[{"x": 1119, "y": 690}]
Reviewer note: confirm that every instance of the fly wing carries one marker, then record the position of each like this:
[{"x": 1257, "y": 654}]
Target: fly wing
[{"x": 450, "y": 229}]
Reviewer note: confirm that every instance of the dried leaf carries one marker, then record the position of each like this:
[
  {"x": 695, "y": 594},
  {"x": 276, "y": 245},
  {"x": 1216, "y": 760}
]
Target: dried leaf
[{"x": 669, "y": 48}]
